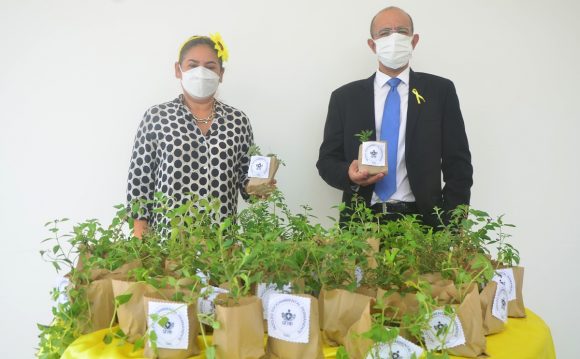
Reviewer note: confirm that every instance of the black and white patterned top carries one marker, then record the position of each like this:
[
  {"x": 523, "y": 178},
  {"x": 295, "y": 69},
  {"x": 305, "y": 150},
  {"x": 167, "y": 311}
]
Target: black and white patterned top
[{"x": 172, "y": 156}]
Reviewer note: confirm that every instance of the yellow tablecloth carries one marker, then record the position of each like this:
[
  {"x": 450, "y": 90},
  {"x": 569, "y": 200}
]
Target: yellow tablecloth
[{"x": 526, "y": 338}]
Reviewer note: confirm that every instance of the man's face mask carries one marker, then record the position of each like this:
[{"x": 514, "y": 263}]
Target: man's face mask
[{"x": 394, "y": 51}]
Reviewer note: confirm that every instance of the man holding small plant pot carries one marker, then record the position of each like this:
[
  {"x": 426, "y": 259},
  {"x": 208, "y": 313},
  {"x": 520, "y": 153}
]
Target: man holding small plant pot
[{"x": 419, "y": 118}]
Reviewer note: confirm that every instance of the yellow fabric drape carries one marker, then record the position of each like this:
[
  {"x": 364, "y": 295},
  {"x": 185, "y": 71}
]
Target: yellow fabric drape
[{"x": 524, "y": 338}]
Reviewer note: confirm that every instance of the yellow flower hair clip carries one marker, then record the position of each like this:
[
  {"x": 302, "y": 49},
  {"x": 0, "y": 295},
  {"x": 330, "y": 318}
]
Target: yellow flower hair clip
[
  {"x": 221, "y": 48},
  {"x": 418, "y": 96}
]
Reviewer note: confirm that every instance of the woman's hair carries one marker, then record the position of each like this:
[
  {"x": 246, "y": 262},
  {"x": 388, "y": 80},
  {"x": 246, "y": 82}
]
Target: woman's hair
[{"x": 196, "y": 41}]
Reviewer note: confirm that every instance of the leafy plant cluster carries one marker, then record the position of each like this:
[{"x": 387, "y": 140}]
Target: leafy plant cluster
[{"x": 269, "y": 243}]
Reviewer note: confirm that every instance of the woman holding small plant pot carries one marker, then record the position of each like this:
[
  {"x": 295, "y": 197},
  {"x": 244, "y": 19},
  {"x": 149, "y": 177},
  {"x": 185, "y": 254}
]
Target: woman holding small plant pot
[{"x": 194, "y": 145}]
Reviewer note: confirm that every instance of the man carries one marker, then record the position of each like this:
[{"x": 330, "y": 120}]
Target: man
[{"x": 417, "y": 114}]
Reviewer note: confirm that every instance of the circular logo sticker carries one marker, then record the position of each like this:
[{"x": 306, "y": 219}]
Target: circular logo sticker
[
  {"x": 444, "y": 331},
  {"x": 172, "y": 331},
  {"x": 61, "y": 289},
  {"x": 289, "y": 318},
  {"x": 265, "y": 291},
  {"x": 396, "y": 350},
  {"x": 259, "y": 167},
  {"x": 374, "y": 154},
  {"x": 506, "y": 281},
  {"x": 500, "y": 303},
  {"x": 205, "y": 306}
]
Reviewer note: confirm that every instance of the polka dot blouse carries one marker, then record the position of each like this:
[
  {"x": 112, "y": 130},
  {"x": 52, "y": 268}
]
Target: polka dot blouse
[{"x": 172, "y": 156}]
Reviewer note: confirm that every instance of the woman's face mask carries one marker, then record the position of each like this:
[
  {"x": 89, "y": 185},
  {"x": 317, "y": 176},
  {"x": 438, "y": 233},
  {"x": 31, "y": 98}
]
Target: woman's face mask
[{"x": 199, "y": 82}]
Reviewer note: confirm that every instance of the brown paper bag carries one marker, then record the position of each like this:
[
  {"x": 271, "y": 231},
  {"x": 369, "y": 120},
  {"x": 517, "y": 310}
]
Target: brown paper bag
[
  {"x": 340, "y": 309},
  {"x": 470, "y": 316},
  {"x": 491, "y": 324},
  {"x": 398, "y": 305},
  {"x": 261, "y": 186},
  {"x": 372, "y": 170},
  {"x": 281, "y": 349},
  {"x": 368, "y": 291},
  {"x": 355, "y": 344},
  {"x": 516, "y": 308},
  {"x": 193, "y": 344},
  {"x": 241, "y": 331},
  {"x": 100, "y": 295},
  {"x": 131, "y": 315},
  {"x": 374, "y": 244},
  {"x": 443, "y": 290}
]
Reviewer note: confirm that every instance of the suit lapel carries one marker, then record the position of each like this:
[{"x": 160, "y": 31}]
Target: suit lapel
[
  {"x": 368, "y": 108},
  {"x": 413, "y": 107}
]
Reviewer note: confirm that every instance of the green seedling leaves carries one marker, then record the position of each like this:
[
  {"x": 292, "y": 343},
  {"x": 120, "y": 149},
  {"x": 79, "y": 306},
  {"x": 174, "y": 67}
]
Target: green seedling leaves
[{"x": 123, "y": 298}]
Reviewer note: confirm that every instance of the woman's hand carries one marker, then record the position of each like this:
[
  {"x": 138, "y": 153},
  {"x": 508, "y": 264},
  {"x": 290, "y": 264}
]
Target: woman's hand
[
  {"x": 139, "y": 227},
  {"x": 262, "y": 191}
]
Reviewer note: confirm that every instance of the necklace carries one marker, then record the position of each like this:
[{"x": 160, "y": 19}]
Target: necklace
[{"x": 204, "y": 121}]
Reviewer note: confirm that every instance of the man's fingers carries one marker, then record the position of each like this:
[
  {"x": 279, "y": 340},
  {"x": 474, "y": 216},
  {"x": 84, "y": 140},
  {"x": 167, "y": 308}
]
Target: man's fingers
[
  {"x": 372, "y": 179},
  {"x": 355, "y": 175}
]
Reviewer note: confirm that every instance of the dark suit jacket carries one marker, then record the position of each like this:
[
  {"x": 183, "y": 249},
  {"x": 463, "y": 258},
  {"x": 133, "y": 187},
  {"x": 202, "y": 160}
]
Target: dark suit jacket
[{"x": 435, "y": 142}]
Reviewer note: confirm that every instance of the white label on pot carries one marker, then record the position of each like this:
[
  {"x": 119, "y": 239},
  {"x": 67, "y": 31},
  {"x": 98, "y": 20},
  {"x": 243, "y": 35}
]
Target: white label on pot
[
  {"x": 172, "y": 326},
  {"x": 400, "y": 348},
  {"x": 289, "y": 318},
  {"x": 206, "y": 300},
  {"x": 203, "y": 278},
  {"x": 264, "y": 291},
  {"x": 505, "y": 277},
  {"x": 62, "y": 284},
  {"x": 374, "y": 153},
  {"x": 445, "y": 331},
  {"x": 358, "y": 275},
  {"x": 259, "y": 167},
  {"x": 499, "y": 308}
]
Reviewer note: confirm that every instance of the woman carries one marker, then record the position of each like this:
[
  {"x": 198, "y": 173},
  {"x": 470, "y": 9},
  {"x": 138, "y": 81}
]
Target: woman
[{"x": 194, "y": 144}]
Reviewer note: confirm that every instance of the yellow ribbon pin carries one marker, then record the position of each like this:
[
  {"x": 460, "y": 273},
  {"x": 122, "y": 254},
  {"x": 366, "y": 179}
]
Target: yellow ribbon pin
[{"x": 418, "y": 96}]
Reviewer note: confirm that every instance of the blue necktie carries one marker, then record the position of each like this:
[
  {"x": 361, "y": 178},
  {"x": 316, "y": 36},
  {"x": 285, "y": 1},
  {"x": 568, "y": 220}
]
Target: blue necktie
[{"x": 390, "y": 133}]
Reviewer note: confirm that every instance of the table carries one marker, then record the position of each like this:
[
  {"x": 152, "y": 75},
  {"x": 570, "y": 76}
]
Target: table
[{"x": 523, "y": 338}]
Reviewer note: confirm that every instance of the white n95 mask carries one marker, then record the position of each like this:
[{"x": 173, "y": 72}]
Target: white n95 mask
[
  {"x": 394, "y": 51},
  {"x": 199, "y": 82}
]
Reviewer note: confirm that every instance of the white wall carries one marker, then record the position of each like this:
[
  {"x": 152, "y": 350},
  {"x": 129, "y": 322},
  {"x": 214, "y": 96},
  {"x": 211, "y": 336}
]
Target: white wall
[{"x": 77, "y": 75}]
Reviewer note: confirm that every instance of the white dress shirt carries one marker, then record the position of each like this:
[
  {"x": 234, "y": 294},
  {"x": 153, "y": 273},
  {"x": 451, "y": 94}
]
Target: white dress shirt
[{"x": 381, "y": 88}]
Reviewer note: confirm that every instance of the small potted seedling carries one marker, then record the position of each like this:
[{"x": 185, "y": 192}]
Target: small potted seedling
[
  {"x": 372, "y": 155},
  {"x": 261, "y": 172}
]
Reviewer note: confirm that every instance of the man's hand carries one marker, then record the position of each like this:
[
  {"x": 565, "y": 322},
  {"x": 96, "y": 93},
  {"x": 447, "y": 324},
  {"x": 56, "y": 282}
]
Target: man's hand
[{"x": 362, "y": 178}]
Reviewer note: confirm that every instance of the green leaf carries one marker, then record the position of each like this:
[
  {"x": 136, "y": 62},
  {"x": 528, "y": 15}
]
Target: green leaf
[
  {"x": 341, "y": 353},
  {"x": 139, "y": 344},
  {"x": 153, "y": 336},
  {"x": 210, "y": 352},
  {"x": 123, "y": 298},
  {"x": 163, "y": 321},
  {"x": 378, "y": 334},
  {"x": 108, "y": 338}
]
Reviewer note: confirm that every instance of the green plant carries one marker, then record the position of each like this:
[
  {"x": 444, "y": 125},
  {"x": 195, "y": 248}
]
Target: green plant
[
  {"x": 364, "y": 135},
  {"x": 254, "y": 150},
  {"x": 88, "y": 247}
]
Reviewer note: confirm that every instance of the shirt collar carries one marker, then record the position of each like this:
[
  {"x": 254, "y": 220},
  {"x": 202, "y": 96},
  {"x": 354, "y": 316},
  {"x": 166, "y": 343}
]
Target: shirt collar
[
  {"x": 219, "y": 106},
  {"x": 382, "y": 78}
]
